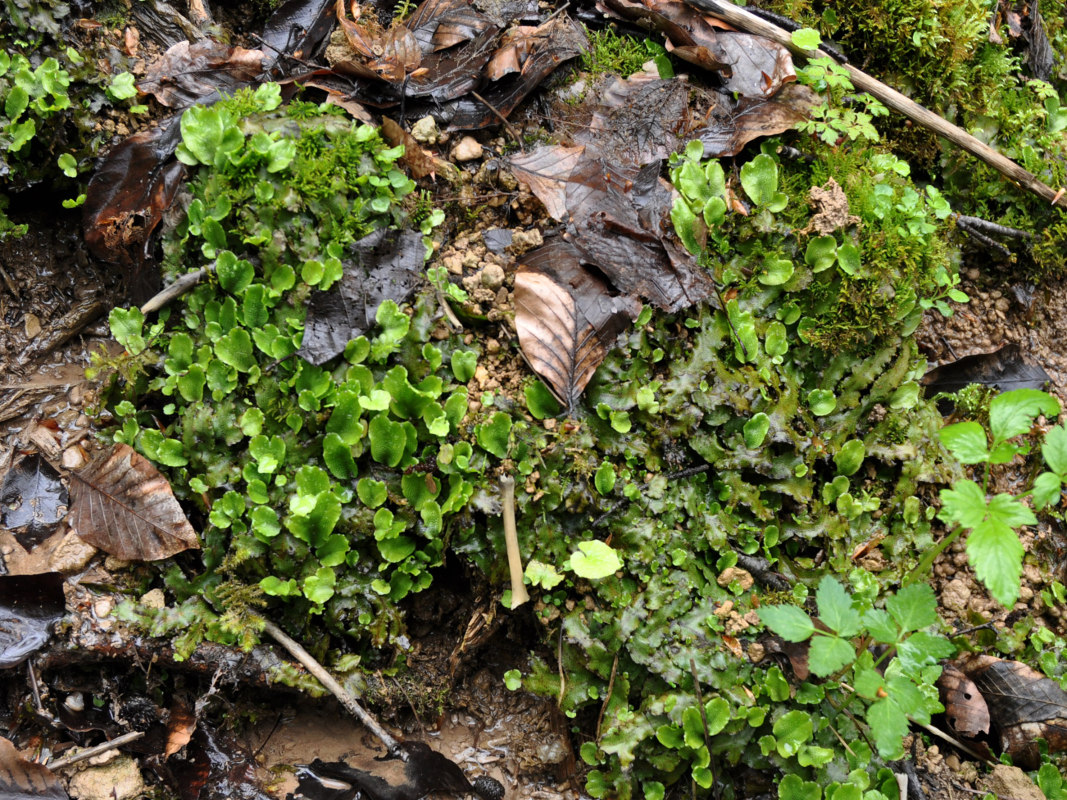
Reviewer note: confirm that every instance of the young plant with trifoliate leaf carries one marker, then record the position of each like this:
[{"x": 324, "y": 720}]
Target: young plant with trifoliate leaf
[
  {"x": 992, "y": 522},
  {"x": 897, "y": 684}
]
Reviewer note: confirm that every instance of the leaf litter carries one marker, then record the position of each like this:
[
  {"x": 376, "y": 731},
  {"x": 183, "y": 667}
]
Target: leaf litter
[{"x": 34, "y": 500}]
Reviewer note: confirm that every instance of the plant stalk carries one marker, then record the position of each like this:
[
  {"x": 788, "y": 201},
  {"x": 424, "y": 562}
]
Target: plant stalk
[{"x": 519, "y": 595}]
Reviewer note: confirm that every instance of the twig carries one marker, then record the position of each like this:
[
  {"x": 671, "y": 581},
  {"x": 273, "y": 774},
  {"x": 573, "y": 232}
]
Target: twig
[
  {"x": 954, "y": 742},
  {"x": 559, "y": 666},
  {"x": 519, "y": 595},
  {"x": 989, "y": 242},
  {"x": 902, "y": 784},
  {"x": 336, "y": 689},
  {"x": 992, "y": 227},
  {"x": 746, "y": 21},
  {"x": 501, "y": 117},
  {"x": 105, "y": 747},
  {"x": 175, "y": 290}
]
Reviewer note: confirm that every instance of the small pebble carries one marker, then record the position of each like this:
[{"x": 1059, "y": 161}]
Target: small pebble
[
  {"x": 467, "y": 149},
  {"x": 425, "y": 130},
  {"x": 493, "y": 276},
  {"x": 33, "y": 325}
]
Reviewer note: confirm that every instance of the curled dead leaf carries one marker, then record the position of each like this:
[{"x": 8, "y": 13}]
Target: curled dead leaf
[
  {"x": 965, "y": 708},
  {"x": 121, "y": 504}
]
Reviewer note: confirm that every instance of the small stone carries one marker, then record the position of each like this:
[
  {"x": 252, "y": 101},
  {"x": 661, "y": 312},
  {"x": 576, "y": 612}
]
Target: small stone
[
  {"x": 492, "y": 347},
  {"x": 425, "y": 130},
  {"x": 493, "y": 276},
  {"x": 1014, "y": 783},
  {"x": 523, "y": 240},
  {"x": 71, "y": 555},
  {"x": 724, "y": 610},
  {"x": 956, "y": 596},
  {"x": 1002, "y": 304},
  {"x": 467, "y": 149},
  {"x": 102, "y": 607},
  {"x": 454, "y": 263},
  {"x": 153, "y": 598},
  {"x": 550, "y": 424},
  {"x": 481, "y": 375},
  {"x": 471, "y": 259},
  {"x": 731, "y": 574},
  {"x": 756, "y": 652},
  {"x": 32, "y": 324},
  {"x": 119, "y": 780}
]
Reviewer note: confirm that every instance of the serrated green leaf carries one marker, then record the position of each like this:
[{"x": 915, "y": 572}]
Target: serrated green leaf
[
  {"x": 1047, "y": 490},
  {"x": 922, "y": 649},
  {"x": 889, "y": 725},
  {"x": 835, "y": 607},
  {"x": 964, "y": 504},
  {"x": 966, "y": 441},
  {"x": 1054, "y": 449},
  {"x": 828, "y": 654},
  {"x": 913, "y": 607},
  {"x": 880, "y": 626},
  {"x": 1013, "y": 413},
  {"x": 868, "y": 683},
  {"x": 789, "y": 622},
  {"x": 996, "y": 555}
]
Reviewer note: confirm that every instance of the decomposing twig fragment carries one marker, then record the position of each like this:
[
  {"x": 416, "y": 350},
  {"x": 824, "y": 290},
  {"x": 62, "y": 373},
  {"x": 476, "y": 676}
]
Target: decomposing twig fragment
[
  {"x": 175, "y": 290},
  {"x": 746, "y": 21},
  {"x": 104, "y": 747},
  {"x": 336, "y": 689},
  {"x": 519, "y": 595}
]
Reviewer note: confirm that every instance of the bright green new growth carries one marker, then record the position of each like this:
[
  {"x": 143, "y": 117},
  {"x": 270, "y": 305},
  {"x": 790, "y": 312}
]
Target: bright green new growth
[
  {"x": 328, "y": 487},
  {"x": 993, "y": 546},
  {"x": 899, "y": 686}
]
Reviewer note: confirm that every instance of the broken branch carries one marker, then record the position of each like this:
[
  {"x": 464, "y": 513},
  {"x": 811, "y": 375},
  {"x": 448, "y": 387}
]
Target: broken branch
[
  {"x": 750, "y": 23},
  {"x": 519, "y": 595}
]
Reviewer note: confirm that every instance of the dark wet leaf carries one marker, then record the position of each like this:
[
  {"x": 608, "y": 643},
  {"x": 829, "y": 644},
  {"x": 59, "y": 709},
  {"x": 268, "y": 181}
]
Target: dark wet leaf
[
  {"x": 566, "y": 317},
  {"x": 617, "y": 218},
  {"x": 34, "y": 499},
  {"x": 497, "y": 239},
  {"x": 733, "y": 124},
  {"x": 22, "y": 779},
  {"x": 416, "y": 773},
  {"x": 121, "y": 504},
  {"x": 1003, "y": 369},
  {"x": 556, "y": 41},
  {"x": 29, "y": 604},
  {"x": 189, "y": 72},
  {"x": 216, "y": 767},
  {"x": 1024, "y": 706},
  {"x": 640, "y": 119},
  {"x": 297, "y": 28},
  {"x": 127, "y": 196},
  {"x": 965, "y": 708},
  {"x": 1025, "y": 21},
  {"x": 384, "y": 266}
]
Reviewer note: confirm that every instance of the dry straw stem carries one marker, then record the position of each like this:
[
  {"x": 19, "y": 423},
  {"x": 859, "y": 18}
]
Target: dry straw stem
[
  {"x": 519, "y": 595},
  {"x": 745, "y": 21}
]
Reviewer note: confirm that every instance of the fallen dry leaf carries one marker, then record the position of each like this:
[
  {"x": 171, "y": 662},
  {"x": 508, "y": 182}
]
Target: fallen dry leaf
[
  {"x": 733, "y": 124},
  {"x": 965, "y": 708},
  {"x": 126, "y": 198},
  {"x": 566, "y": 318},
  {"x": 22, "y": 779},
  {"x": 189, "y": 72},
  {"x": 121, "y": 504},
  {"x": 1003, "y": 369},
  {"x": 1024, "y": 706},
  {"x": 181, "y": 723}
]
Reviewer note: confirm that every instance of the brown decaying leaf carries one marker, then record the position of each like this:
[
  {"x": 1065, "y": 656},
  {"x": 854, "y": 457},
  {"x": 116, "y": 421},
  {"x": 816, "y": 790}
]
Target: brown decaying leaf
[
  {"x": 640, "y": 119},
  {"x": 34, "y": 499},
  {"x": 1024, "y": 706},
  {"x": 180, "y": 726},
  {"x": 419, "y": 162},
  {"x": 22, "y": 779},
  {"x": 731, "y": 125},
  {"x": 546, "y": 171},
  {"x": 188, "y": 72},
  {"x": 127, "y": 196},
  {"x": 965, "y": 708},
  {"x": 566, "y": 318},
  {"x": 121, "y": 504}
]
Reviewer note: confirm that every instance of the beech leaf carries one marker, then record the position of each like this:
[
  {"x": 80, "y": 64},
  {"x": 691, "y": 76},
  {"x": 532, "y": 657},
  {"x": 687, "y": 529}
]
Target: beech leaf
[
  {"x": 566, "y": 318},
  {"x": 121, "y": 504}
]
